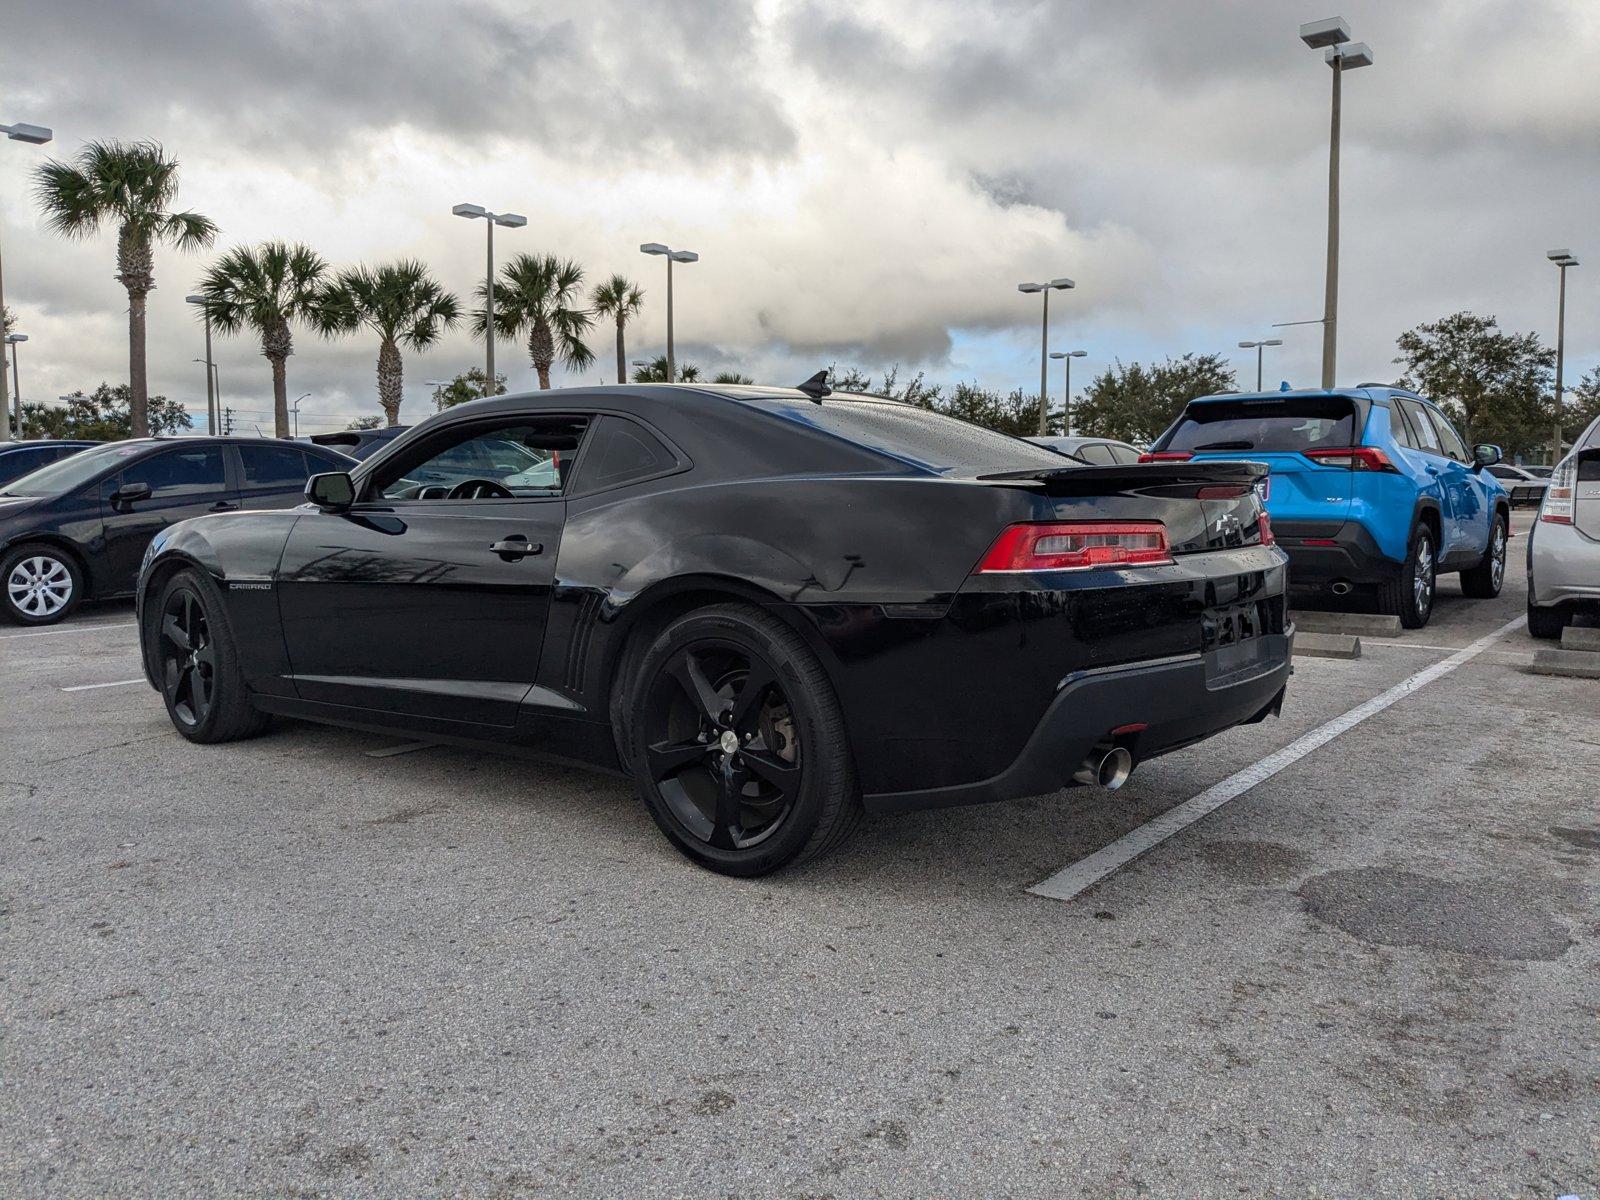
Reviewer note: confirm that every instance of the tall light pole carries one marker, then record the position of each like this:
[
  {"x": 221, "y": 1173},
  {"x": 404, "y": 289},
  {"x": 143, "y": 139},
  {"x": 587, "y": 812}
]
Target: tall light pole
[
  {"x": 490, "y": 220},
  {"x": 1562, "y": 259},
  {"x": 1066, "y": 357},
  {"x": 1055, "y": 285},
  {"x": 1257, "y": 347},
  {"x": 14, "y": 340},
  {"x": 1332, "y": 37},
  {"x": 295, "y": 409},
  {"x": 211, "y": 395},
  {"x": 672, "y": 256},
  {"x": 36, "y": 135}
]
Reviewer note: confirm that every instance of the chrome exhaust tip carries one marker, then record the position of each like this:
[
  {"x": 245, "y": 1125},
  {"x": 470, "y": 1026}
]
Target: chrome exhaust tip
[
  {"x": 1106, "y": 767},
  {"x": 1342, "y": 587}
]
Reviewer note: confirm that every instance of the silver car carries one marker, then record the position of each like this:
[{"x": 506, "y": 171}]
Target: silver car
[
  {"x": 1102, "y": 452},
  {"x": 1564, "y": 543}
]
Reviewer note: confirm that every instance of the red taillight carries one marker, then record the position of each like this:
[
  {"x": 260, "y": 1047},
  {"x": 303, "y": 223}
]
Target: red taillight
[
  {"x": 1357, "y": 458},
  {"x": 1165, "y": 456},
  {"x": 1264, "y": 523},
  {"x": 1077, "y": 546}
]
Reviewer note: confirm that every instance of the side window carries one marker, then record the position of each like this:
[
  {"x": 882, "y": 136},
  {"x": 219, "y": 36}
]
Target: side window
[
  {"x": 19, "y": 462},
  {"x": 623, "y": 452},
  {"x": 272, "y": 466},
  {"x": 1450, "y": 439},
  {"x": 1124, "y": 454},
  {"x": 179, "y": 472},
  {"x": 1400, "y": 428},
  {"x": 527, "y": 456},
  {"x": 1427, "y": 439},
  {"x": 1097, "y": 453}
]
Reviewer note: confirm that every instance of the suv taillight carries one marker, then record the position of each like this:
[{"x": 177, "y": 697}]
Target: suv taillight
[
  {"x": 1077, "y": 546},
  {"x": 1558, "y": 504},
  {"x": 1165, "y": 456},
  {"x": 1357, "y": 458}
]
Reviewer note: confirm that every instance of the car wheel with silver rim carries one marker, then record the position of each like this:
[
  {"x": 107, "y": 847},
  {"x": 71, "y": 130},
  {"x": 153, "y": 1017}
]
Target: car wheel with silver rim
[{"x": 42, "y": 584}]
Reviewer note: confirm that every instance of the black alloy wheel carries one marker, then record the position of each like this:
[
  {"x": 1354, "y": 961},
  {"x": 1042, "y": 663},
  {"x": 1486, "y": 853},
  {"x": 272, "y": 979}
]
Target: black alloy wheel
[
  {"x": 738, "y": 744},
  {"x": 195, "y": 663},
  {"x": 188, "y": 658}
]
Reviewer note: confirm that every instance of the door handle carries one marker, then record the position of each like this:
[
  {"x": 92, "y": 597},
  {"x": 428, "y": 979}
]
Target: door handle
[
  {"x": 223, "y": 506},
  {"x": 513, "y": 548}
]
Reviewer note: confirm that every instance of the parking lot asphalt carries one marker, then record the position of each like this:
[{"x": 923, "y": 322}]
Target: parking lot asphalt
[{"x": 289, "y": 968}]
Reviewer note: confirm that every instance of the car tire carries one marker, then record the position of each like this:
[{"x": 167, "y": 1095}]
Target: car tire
[
  {"x": 1410, "y": 594},
  {"x": 1547, "y": 622},
  {"x": 719, "y": 691},
  {"x": 1483, "y": 581},
  {"x": 40, "y": 584},
  {"x": 196, "y": 663}
]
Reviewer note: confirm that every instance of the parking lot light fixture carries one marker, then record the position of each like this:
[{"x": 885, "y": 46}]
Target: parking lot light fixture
[
  {"x": 1563, "y": 259},
  {"x": 672, "y": 256},
  {"x": 14, "y": 340},
  {"x": 1066, "y": 357},
  {"x": 1332, "y": 36},
  {"x": 490, "y": 220},
  {"x": 1054, "y": 285},
  {"x": 1257, "y": 347},
  {"x": 36, "y": 135}
]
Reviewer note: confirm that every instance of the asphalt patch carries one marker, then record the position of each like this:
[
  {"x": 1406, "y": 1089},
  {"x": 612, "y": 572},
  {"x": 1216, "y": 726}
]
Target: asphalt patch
[
  {"x": 1584, "y": 839},
  {"x": 1390, "y": 907}
]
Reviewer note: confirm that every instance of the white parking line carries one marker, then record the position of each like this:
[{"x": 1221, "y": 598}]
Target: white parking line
[
  {"x": 6, "y": 637},
  {"x": 1086, "y": 872},
  {"x": 89, "y": 687}
]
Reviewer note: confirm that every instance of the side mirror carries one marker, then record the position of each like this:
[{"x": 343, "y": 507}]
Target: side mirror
[
  {"x": 331, "y": 492},
  {"x": 1485, "y": 456},
  {"x": 128, "y": 493}
]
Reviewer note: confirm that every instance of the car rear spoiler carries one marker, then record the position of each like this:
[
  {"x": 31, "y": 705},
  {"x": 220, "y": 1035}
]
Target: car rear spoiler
[{"x": 1090, "y": 481}]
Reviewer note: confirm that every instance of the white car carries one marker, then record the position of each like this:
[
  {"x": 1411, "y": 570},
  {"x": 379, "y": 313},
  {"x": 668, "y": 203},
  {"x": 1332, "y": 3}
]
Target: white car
[
  {"x": 1100, "y": 452},
  {"x": 1564, "y": 543},
  {"x": 1524, "y": 486}
]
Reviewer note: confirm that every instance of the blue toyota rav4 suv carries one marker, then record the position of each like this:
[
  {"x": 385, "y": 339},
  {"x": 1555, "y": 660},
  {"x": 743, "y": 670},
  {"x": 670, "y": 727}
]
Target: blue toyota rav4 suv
[{"x": 1370, "y": 487}]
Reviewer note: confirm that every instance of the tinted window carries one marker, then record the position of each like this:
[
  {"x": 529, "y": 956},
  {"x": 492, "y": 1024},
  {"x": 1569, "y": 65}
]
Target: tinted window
[
  {"x": 1427, "y": 439},
  {"x": 526, "y": 457},
  {"x": 60, "y": 477},
  {"x": 623, "y": 451},
  {"x": 273, "y": 466},
  {"x": 176, "y": 472},
  {"x": 914, "y": 435},
  {"x": 1124, "y": 454},
  {"x": 1285, "y": 425},
  {"x": 1097, "y": 453},
  {"x": 1400, "y": 429},
  {"x": 1449, "y": 438},
  {"x": 20, "y": 462}
]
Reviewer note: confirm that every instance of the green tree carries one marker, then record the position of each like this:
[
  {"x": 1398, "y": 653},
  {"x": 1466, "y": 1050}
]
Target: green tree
[
  {"x": 402, "y": 304},
  {"x": 620, "y": 299},
  {"x": 365, "y": 423},
  {"x": 266, "y": 289},
  {"x": 466, "y": 386},
  {"x": 538, "y": 294},
  {"x": 655, "y": 371},
  {"x": 731, "y": 377},
  {"x": 1495, "y": 385},
  {"x": 1582, "y": 405},
  {"x": 106, "y": 414},
  {"x": 131, "y": 185},
  {"x": 1134, "y": 403}
]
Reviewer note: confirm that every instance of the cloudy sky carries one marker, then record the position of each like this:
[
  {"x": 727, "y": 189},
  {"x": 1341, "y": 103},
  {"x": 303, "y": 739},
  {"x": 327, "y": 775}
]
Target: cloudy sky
[{"x": 866, "y": 182}]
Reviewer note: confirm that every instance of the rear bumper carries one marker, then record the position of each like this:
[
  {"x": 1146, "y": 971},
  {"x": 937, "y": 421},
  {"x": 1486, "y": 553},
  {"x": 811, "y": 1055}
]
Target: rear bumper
[
  {"x": 1353, "y": 555},
  {"x": 1563, "y": 565},
  {"x": 1178, "y": 701}
]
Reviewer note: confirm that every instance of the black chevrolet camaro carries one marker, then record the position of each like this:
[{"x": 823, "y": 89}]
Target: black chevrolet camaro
[{"x": 775, "y": 609}]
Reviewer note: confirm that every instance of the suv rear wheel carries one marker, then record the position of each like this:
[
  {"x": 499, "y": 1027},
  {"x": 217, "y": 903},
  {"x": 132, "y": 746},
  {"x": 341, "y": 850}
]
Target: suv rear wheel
[{"x": 1409, "y": 595}]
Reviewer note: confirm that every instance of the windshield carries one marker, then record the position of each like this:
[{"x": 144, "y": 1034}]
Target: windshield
[
  {"x": 916, "y": 435},
  {"x": 61, "y": 476},
  {"x": 1285, "y": 426}
]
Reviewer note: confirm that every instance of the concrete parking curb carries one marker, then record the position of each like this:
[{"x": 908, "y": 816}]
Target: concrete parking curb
[
  {"x": 1365, "y": 624},
  {"x": 1327, "y": 645},
  {"x": 1575, "y": 637},
  {"x": 1578, "y": 664}
]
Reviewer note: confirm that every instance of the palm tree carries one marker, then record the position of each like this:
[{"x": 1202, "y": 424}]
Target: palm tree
[
  {"x": 131, "y": 184},
  {"x": 401, "y": 303},
  {"x": 539, "y": 293},
  {"x": 655, "y": 371},
  {"x": 267, "y": 288},
  {"x": 620, "y": 299}
]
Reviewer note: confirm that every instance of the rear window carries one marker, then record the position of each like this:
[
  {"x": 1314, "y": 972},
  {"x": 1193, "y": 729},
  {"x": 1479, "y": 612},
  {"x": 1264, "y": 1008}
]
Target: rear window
[
  {"x": 1283, "y": 426},
  {"x": 915, "y": 435}
]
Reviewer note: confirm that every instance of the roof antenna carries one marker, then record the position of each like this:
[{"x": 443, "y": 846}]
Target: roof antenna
[{"x": 817, "y": 387}]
